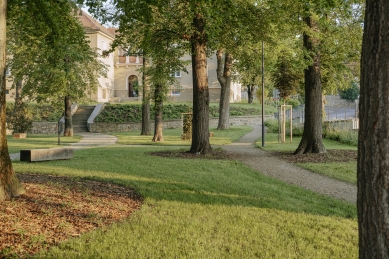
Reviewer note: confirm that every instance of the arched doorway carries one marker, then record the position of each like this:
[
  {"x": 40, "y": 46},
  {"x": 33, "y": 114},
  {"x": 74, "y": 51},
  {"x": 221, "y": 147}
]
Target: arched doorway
[{"x": 132, "y": 82}]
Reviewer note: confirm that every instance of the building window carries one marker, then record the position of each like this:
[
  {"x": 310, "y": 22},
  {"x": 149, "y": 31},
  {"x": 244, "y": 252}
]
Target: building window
[
  {"x": 176, "y": 74},
  {"x": 175, "y": 91},
  {"x": 6, "y": 91},
  {"x": 122, "y": 52},
  {"x": 7, "y": 72},
  {"x": 103, "y": 45}
]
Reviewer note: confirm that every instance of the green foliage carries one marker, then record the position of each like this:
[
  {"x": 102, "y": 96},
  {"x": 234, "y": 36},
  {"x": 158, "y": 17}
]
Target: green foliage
[
  {"x": 343, "y": 136},
  {"x": 286, "y": 76},
  {"x": 50, "y": 52},
  {"x": 351, "y": 93},
  {"x": 272, "y": 126},
  {"x": 39, "y": 112},
  {"x": 19, "y": 121},
  {"x": 124, "y": 113},
  {"x": 187, "y": 126},
  {"x": 294, "y": 102}
]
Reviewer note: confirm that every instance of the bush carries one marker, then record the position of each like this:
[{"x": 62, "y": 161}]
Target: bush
[
  {"x": 351, "y": 93},
  {"x": 125, "y": 113},
  {"x": 272, "y": 127},
  {"x": 294, "y": 102},
  {"x": 38, "y": 112},
  {"x": 343, "y": 136}
]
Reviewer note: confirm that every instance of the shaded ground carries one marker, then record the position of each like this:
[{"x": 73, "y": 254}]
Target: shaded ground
[
  {"x": 329, "y": 156},
  {"x": 56, "y": 208}
]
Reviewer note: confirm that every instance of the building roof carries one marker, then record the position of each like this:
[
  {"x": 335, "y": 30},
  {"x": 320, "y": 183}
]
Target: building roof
[{"x": 91, "y": 24}]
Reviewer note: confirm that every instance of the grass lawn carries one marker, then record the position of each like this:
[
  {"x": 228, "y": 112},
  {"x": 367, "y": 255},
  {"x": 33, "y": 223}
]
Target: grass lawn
[
  {"x": 38, "y": 141},
  {"x": 197, "y": 208},
  {"x": 172, "y": 137},
  {"x": 256, "y": 104},
  {"x": 344, "y": 171}
]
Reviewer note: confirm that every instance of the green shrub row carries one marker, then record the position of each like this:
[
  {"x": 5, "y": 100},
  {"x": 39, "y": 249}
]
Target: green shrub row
[
  {"x": 38, "y": 112},
  {"x": 124, "y": 113},
  {"x": 343, "y": 136}
]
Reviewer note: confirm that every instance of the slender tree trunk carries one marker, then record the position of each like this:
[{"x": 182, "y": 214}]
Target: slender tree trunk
[
  {"x": 224, "y": 78},
  {"x": 158, "y": 110},
  {"x": 9, "y": 183},
  {"x": 200, "y": 126},
  {"x": 146, "y": 125},
  {"x": 250, "y": 93},
  {"x": 68, "y": 117},
  {"x": 311, "y": 141},
  {"x": 373, "y": 137}
]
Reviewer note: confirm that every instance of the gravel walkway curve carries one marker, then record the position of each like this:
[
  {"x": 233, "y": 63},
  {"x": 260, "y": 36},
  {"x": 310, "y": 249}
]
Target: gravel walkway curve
[{"x": 269, "y": 165}]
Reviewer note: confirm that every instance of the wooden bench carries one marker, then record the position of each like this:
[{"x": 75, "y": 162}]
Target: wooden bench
[{"x": 35, "y": 155}]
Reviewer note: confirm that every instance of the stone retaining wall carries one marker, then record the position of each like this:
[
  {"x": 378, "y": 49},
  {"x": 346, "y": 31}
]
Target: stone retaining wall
[
  {"x": 52, "y": 127},
  {"x": 335, "y": 101},
  {"x": 44, "y": 128}
]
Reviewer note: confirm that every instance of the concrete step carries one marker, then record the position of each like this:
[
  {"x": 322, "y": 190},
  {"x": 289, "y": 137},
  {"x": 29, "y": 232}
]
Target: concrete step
[{"x": 80, "y": 118}]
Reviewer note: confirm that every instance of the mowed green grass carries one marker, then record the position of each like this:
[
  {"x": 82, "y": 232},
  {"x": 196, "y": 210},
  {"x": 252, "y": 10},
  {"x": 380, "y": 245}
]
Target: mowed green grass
[
  {"x": 38, "y": 141},
  {"x": 344, "y": 171},
  {"x": 172, "y": 137},
  {"x": 197, "y": 208}
]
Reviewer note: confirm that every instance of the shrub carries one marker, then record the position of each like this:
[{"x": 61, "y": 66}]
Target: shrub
[
  {"x": 124, "y": 113},
  {"x": 294, "y": 102},
  {"x": 272, "y": 127},
  {"x": 343, "y": 136},
  {"x": 351, "y": 93}
]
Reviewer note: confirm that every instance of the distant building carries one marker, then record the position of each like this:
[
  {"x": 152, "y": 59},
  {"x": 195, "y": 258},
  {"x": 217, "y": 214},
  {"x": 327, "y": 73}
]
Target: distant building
[{"x": 123, "y": 72}]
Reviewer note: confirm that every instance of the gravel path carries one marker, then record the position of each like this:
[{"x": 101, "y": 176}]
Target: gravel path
[{"x": 287, "y": 172}]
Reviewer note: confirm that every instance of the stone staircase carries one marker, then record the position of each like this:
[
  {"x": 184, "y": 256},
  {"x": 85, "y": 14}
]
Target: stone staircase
[{"x": 80, "y": 118}]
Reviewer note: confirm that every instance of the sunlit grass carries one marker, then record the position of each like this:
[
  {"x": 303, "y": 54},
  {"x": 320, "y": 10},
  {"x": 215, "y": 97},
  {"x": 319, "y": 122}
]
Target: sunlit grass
[
  {"x": 38, "y": 141},
  {"x": 198, "y": 208},
  {"x": 172, "y": 137},
  {"x": 344, "y": 171}
]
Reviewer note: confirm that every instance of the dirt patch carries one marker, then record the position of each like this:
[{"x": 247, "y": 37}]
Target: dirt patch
[
  {"x": 329, "y": 156},
  {"x": 55, "y": 208},
  {"x": 216, "y": 154}
]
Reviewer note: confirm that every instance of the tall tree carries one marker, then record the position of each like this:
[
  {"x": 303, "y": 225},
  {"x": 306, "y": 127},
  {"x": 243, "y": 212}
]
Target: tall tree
[
  {"x": 146, "y": 125},
  {"x": 224, "y": 75},
  {"x": 9, "y": 184},
  {"x": 51, "y": 54},
  {"x": 311, "y": 141},
  {"x": 373, "y": 139}
]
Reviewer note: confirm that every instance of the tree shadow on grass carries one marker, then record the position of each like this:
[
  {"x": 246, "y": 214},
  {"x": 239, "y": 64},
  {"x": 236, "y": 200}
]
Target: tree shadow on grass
[{"x": 203, "y": 181}]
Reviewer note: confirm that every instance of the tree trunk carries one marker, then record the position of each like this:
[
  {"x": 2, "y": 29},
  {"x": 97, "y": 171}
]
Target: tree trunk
[
  {"x": 200, "y": 126},
  {"x": 311, "y": 141},
  {"x": 373, "y": 137},
  {"x": 224, "y": 78},
  {"x": 68, "y": 117},
  {"x": 250, "y": 93},
  {"x": 158, "y": 110},
  {"x": 146, "y": 125},
  {"x": 9, "y": 183}
]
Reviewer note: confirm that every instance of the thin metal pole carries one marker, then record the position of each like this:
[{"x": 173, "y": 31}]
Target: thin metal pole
[{"x": 263, "y": 94}]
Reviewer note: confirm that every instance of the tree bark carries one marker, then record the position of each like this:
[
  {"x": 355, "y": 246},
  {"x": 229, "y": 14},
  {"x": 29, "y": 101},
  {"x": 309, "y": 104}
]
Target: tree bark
[
  {"x": 200, "y": 126},
  {"x": 68, "y": 132},
  {"x": 373, "y": 137},
  {"x": 311, "y": 141},
  {"x": 224, "y": 78},
  {"x": 146, "y": 125},
  {"x": 9, "y": 183},
  {"x": 158, "y": 111},
  {"x": 250, "y": 93}
]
